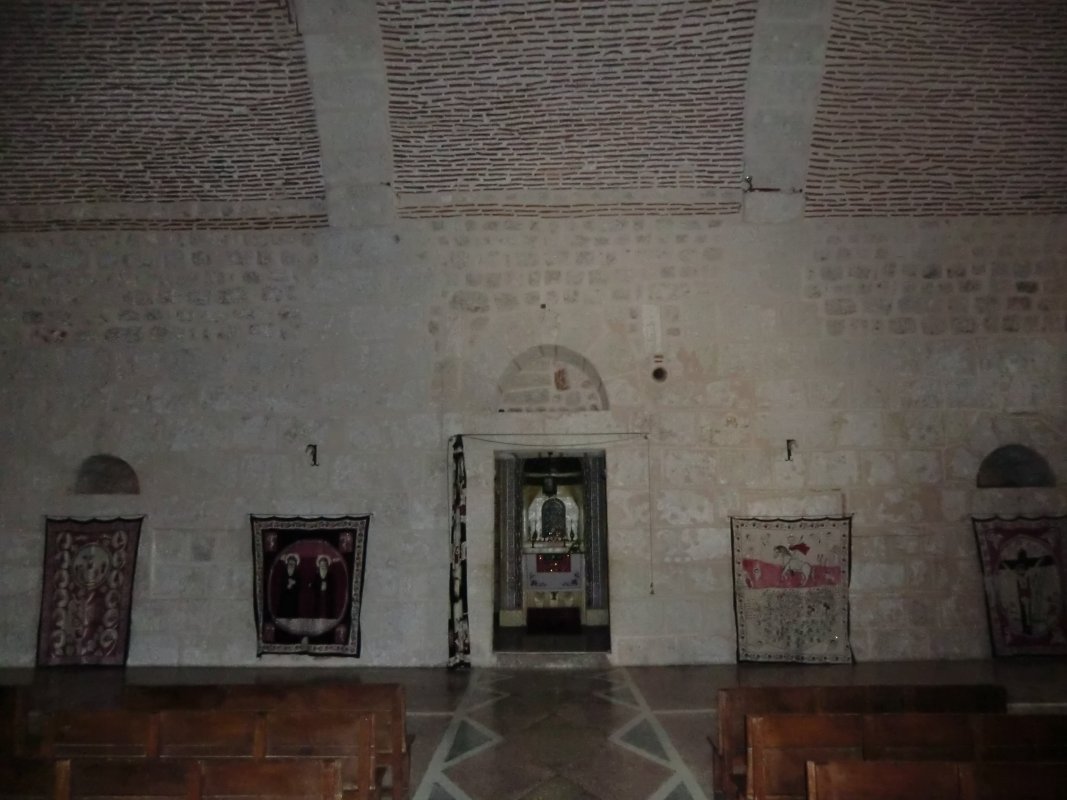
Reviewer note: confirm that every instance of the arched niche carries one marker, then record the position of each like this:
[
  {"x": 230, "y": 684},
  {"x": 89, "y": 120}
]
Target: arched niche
[
  {"x": 551, "y": 378},
  {"x": 106, "y": 474},
  {"x": 1014, "y": 466}
]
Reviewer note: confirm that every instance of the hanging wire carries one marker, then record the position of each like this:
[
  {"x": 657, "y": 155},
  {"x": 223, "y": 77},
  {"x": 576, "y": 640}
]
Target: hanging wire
[
  {"x": 507, "y": 439},
  {"x": 651, "y": 512},
  {"x": 495, "y": 438}
]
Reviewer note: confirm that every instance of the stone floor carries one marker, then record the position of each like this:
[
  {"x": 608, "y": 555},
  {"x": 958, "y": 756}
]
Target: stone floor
[{"x": 616, "y": 733}]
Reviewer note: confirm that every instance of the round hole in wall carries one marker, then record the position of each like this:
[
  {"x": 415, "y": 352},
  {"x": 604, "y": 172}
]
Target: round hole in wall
[{"x": 659, "y": 374}]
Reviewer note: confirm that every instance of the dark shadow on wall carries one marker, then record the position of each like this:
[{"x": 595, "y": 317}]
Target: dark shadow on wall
[
  {"x": 106, "y": 474},
  {"x": 1014, "y": 466}
]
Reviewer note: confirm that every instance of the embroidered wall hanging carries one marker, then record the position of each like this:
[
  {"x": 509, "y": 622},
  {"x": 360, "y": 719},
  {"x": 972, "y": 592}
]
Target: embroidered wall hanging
[
  {"x": 87, "y": 591},
  {"x": 459, "y": 640},
  {"x": 791, "y": 589},
  {"x": 309, "y": 583},
  {"x": 1024, "y": 566}
]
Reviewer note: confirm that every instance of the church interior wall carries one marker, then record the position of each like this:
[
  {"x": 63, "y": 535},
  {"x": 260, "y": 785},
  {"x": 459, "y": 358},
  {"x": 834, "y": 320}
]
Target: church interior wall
[{"x": 851, "y": 365}]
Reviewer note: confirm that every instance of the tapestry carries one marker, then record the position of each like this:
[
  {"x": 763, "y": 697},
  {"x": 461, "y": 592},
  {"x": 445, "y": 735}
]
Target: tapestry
[
  {"x": 309, "y": 583},
  {"x": 1024, "y": 566},
  {"x": 459, "y": 641},
  {"x": 791, "y": 581},
  {"x": 87, "y": 591}
]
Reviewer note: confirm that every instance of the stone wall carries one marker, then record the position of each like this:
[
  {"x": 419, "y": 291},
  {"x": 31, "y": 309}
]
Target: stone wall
[{"x": 895, "y": 352}]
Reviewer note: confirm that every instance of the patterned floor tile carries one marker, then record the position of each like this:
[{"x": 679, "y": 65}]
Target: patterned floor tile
[
  {"x": 559, "y": 789},
  {"x": 615, "y": 773},
  {"x": 548, "y": 735},
  {"x": 499, "y": 773},
  {"x": 643, "y": 737}
]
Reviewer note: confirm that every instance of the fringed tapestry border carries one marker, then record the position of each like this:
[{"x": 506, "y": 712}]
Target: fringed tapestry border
[
  {"x": 791, "y": 578},
  {"x": 459, "y": 643},
  {"x": 1024, "y": 571},
  {"x": 309, "y": 575},
  {"x": 87, "y": 591}
]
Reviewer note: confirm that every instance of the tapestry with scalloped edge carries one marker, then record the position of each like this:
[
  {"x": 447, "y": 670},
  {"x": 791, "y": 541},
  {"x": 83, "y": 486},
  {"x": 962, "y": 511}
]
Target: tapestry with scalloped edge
[
  {"x": 87, "y": 591},
  {"x": 1024, "y": 565}
]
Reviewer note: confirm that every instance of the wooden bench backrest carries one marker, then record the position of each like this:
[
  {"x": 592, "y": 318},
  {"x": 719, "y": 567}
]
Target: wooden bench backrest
[
  {"x": 1015, "y": 780},
  {"x": 214, "y": 733},
  {"x": 11, "y": 713},
  {"x": 386, "y": 701},
  {"x": 164, "y": 697},
  {"x": 133, "y": 779},
  {"x": 921, "y": 736},
  {"x": 100, "y": 733},
  {"x": 332, "y": 734},
  {"x": 309, "y": 779},
  {"x": 735, "y": 703},
  {"x": 883, "y": 780},
  {"x": 1021, "y": 737},
  {"x": 31, "y": 779},
  {"x": 780, "y": 745}
]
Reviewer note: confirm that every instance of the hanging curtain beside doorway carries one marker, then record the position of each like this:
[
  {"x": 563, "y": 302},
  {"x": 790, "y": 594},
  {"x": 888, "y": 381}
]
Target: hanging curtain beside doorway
[{"x": 459, "y": 640}]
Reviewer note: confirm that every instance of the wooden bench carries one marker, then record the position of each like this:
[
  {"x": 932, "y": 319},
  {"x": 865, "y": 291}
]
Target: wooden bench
[
  {"x": 997, "y": 780},
  {"x": 735, "y": 703},
  {"x": 32, "y": 779},
  {"x": 216, "y": 734},
  {"x": 174, "y": 779},
  {"x": 12, "y": 721},
  {"x": 103, "y": 733},
  {"x": 779, "y": 745},
  {"x": 386, "y": 701},
  {"x": 300, "y": 780},
  {"x": 883, "y": 780},
  {"x": 936, "y": 780}
]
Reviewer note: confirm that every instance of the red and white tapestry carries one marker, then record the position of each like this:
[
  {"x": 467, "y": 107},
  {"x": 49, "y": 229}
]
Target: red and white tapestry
[
  {"x": 791, "y": 581},
  {"x": 87, "y": 591},
  {"x": 1024, "y": 564}
]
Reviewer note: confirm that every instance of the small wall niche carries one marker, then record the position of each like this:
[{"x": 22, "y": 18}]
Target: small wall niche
[
  {"x": 551, "y": 378},
  {"x": 1014, "y": 466},
  {"x": 106, "y": 474}
]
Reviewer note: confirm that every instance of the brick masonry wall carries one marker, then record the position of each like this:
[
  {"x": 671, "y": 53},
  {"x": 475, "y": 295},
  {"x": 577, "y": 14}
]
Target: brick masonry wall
[
  {"x": 942, "y": 107},
  {"x": 601, "y": 107},
  {"x": 200, "y": 113}
]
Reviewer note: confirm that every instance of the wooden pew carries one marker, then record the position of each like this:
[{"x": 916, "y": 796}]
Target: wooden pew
[
  {"x": 214, "y": 779},
  {"x": 922, "y": 737},
  {"x": 102, "y": 733},
  {"x": 1012, "y": 780},
  {"x": 386, "y": 701},
  {"x": 133, "y": 779},
  {"x": 13, "y": 713},
  {"x": 215, "y": 733},
  {"x": 223, "y": 734},
  {"x": 33, "y": 779},
  {"x": 936, "y": 780},
  {"x": 169, "y": 779},
  {"x": 1021, "y": 737},
  {"x": 302, "y": 779},
  {"x": 779, "y": 744},
  {"x": 729, "y": 747},
  {"x": 779, "y": 747},
  {"x": 334, "y": 734},
  {"x": 883, "y": 780}
]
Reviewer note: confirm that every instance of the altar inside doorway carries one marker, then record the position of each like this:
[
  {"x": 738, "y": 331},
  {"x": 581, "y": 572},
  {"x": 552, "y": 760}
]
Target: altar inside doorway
[{"x": 550, "y": 560}]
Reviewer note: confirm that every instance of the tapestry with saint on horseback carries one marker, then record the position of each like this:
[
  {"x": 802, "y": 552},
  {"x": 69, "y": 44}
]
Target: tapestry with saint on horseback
[{"x": 791, "y": 581}]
